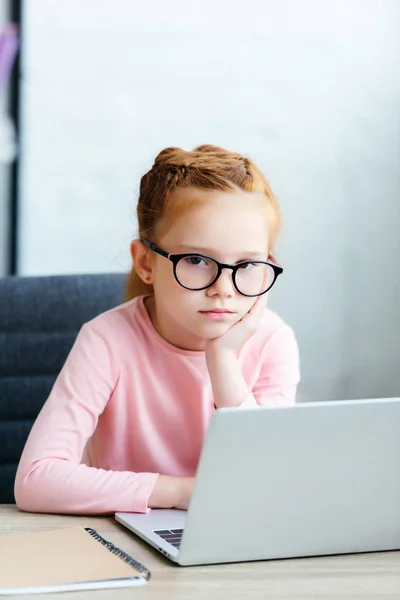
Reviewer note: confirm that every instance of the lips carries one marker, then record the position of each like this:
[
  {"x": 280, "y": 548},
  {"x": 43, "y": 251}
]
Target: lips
[
  {"x": 222, "y": 311},
  {"x": 217, "y": 314}
]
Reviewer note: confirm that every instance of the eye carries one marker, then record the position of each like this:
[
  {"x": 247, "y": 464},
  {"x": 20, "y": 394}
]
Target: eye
[
  {"x": 196, "y": 261},
  {"x": 247, "y": 266}
]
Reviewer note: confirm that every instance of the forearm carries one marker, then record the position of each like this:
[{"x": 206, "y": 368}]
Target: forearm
[
  {"x": 227, "y": 381},
  {"x": 59, "y": 486}
]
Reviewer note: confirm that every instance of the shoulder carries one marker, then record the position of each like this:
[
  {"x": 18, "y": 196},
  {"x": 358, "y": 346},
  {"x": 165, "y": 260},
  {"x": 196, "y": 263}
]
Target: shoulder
[
  {"x": 273, "y": 326},
  {"x": 273, "y": 335},
  {"x": 274, "y": 348},
  {"x": 115, "y": 324}
]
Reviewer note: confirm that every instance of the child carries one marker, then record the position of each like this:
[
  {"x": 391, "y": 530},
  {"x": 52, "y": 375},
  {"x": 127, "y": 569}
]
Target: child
[{"x": 126, "y": 419}]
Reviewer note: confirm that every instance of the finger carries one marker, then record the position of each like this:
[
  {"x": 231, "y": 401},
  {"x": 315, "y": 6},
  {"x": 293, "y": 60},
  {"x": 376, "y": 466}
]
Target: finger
[
  {"x": 255, "y": 313},
  {"x": 253, "y": 318},
  {"x": 259, "y": 307}
]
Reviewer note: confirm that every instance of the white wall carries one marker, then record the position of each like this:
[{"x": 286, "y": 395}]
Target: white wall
[{"x": 310, "y": 90}]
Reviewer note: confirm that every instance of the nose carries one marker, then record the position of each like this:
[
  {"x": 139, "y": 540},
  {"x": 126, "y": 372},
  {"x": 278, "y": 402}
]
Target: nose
[{"x": 223, "y": 286}]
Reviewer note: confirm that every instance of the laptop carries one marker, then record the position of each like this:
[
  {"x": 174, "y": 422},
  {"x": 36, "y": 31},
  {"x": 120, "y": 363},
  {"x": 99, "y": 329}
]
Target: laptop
[{"x": 304, "y": 480}]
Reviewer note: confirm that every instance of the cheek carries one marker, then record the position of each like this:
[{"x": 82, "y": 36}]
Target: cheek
[
  {"x": 163, "y": 274},
  {"x": 248, "y": 305},
  {"x": 170, "y": 292}
]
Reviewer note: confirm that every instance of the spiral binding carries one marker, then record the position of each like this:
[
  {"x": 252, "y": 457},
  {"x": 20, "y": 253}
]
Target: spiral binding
[{"x": 120, "y": 553}]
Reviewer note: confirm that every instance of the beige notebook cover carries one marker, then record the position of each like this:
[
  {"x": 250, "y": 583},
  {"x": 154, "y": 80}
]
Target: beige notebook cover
[{"x": 75, "y": 558}]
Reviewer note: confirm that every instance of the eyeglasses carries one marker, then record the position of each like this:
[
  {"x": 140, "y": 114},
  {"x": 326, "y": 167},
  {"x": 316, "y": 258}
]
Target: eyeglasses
[{"x": 198, "y": 272}]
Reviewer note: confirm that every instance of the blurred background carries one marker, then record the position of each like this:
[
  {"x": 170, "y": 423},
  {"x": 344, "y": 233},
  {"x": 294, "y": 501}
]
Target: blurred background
[{"x": 309, "y": 89}]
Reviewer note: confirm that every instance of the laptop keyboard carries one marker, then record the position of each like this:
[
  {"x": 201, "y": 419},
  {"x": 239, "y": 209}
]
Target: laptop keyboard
[{"x": 172, "y": 536}]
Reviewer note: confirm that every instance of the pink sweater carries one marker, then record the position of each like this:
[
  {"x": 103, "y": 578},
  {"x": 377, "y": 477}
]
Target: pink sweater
[{"x": 128, "y": 405}]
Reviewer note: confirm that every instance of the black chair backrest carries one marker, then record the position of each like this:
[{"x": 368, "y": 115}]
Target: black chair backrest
[{"x": 39, "y": 321}]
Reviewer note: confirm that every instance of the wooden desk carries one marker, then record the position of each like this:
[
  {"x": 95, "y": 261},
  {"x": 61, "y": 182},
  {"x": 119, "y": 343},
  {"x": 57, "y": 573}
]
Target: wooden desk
[{"x": 370, "y": 576}]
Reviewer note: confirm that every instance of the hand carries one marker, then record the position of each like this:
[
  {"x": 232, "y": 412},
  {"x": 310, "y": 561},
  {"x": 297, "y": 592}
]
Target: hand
[
  {"x": 185, "y": 492},
  {"x": 234, "y": 339},
  {"x": 172, "y": 492}
]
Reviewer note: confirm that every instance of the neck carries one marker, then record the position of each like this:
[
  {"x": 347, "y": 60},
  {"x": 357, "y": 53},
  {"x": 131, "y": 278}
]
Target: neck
[{"x": 172, "y": 332}]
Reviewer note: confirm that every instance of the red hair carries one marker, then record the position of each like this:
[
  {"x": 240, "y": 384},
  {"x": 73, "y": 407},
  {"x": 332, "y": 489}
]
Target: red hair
[{"x": 207, "y": 167}]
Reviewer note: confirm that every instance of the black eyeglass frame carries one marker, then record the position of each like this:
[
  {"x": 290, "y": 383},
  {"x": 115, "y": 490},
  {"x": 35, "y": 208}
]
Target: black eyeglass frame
[{"x": 175, "y": 258}]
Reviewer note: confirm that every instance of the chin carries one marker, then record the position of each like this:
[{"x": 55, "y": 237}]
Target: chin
[{"x": 213, "y": 330}]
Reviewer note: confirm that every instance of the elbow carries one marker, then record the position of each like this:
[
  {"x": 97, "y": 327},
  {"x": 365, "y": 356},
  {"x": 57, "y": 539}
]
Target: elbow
[
  {"x": 25, "y": 492},
  {"x": 29, "y": 488},
  {"x": 22, "y": 494}
]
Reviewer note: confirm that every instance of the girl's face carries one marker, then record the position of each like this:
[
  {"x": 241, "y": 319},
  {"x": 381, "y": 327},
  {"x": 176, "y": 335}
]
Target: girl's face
[{"x": 228, "y": 226}]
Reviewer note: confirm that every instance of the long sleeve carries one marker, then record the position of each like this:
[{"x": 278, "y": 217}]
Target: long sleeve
[
  {"x": 50, "y": 476},
  {"x": 280, "y": 372}
]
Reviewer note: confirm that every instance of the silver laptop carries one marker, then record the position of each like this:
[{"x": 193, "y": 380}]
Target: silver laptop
[{"x": 306, "y": 480}]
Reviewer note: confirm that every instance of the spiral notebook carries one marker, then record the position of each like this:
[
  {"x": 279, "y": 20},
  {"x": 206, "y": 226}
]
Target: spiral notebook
[{"x": 60, "y": 560}]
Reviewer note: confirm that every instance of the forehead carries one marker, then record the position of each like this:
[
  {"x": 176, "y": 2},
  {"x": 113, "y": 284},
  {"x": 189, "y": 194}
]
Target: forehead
[{"x": 225, "y": 221}]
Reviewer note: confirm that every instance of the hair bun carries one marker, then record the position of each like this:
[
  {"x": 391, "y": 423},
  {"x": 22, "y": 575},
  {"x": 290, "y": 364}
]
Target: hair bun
[
  {"x": 210, "y": 149},
  {"x": 172, "y": 157},
  {"x": 201, "y": 157}
]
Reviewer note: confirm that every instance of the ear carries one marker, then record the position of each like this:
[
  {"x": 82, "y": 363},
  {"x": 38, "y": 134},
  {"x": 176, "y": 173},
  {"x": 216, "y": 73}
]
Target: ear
[{"x": 141, "y": 258}]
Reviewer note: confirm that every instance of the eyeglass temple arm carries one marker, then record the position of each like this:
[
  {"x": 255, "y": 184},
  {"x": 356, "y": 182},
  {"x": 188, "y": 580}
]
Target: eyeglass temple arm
[{"x": 154, "y": 247}]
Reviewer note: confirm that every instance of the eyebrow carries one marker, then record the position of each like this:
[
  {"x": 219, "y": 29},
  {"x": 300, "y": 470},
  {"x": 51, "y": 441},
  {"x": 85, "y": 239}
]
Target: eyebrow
[{"x": 209, "y": 252}]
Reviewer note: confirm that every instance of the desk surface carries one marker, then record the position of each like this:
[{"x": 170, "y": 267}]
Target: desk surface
[{"x": 371, "y": 576}]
